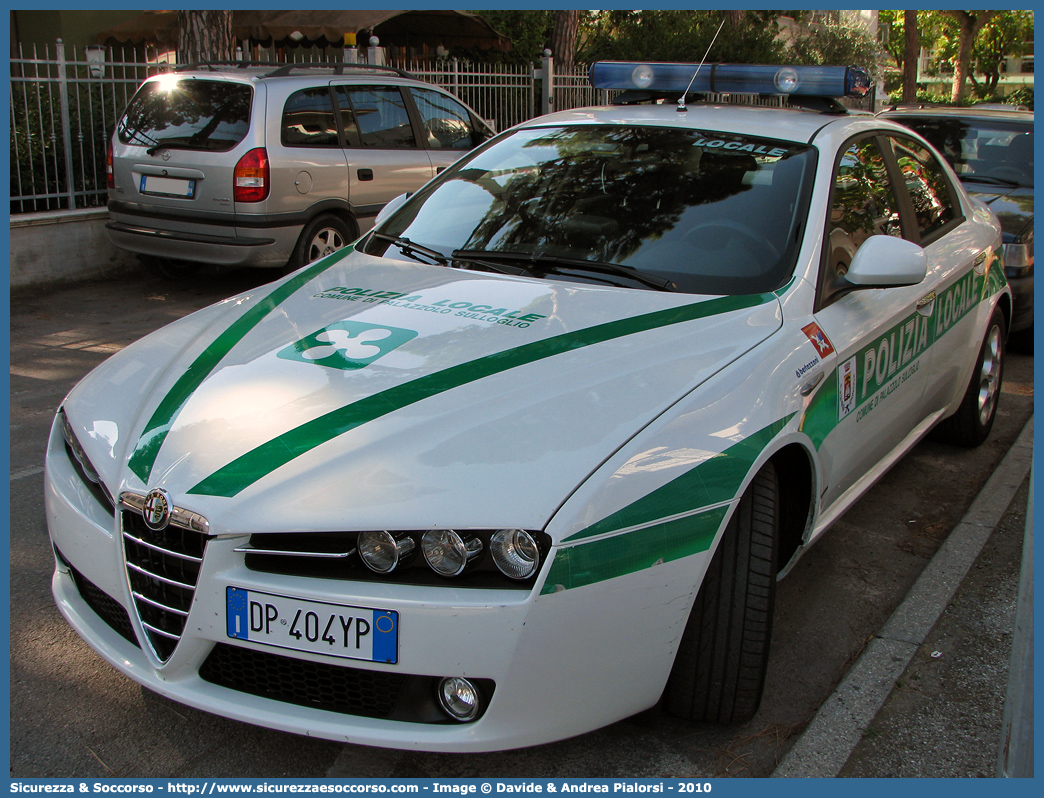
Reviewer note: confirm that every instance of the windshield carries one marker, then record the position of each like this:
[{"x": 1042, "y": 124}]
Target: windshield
[
  {"x": 190, "y": 114},
  {"x": 984, "y": 149},
  {"x": 706, "y": 211}
]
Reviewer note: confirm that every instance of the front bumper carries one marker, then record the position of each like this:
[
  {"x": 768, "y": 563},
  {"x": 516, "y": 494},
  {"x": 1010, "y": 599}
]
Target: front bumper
[
  {"x": 1022, "y": 302},
  {"x": 562, "y": 663}
]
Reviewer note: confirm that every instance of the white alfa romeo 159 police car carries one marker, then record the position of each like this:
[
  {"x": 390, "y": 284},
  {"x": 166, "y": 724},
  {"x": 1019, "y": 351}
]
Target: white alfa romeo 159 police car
[{"x": 530, "y": 456}]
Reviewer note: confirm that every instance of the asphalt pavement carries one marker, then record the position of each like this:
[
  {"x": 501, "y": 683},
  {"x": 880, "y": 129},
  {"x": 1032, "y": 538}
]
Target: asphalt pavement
[{"x": 928, "y": 695}]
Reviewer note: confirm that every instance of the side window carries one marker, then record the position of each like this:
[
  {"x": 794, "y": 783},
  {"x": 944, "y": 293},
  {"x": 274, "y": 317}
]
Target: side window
[
  {"x": 381, "y": 119},
  {"x": 926, "y": 182},
  {"x": 862, "y": 204},
  {"x": 308, "y": 119},
  {"x": 446, "y": 121}
]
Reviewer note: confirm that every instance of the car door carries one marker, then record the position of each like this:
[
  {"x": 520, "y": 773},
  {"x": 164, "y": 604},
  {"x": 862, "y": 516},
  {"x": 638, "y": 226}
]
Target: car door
[
  {"x": 308, "y": 164},
  {"x": 957, "y": 261},
  {"x": 449, "y": 127},
  {"x": 880, "y": 335},
  {"x": 383, "y": 154}
]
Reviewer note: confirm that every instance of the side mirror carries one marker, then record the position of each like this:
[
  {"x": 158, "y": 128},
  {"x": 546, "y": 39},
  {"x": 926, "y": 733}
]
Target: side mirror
[
  {"x": 887, "y": 262},
  {"x": 390, "y": 208}
]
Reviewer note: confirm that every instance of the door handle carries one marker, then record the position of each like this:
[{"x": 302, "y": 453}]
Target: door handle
[{"x": 365, "y": 174}]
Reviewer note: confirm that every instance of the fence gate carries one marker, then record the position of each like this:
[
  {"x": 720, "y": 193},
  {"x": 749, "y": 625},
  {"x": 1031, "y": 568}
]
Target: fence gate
[{"x": 64, "y": 104}]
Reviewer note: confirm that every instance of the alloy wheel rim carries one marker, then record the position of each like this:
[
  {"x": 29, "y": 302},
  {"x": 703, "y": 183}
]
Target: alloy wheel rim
[
  {"x": 323, "y": 243},
  {"x": 989, "y": 375}
]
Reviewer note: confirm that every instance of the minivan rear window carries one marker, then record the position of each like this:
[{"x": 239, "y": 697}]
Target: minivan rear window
[{"x": 187, "y": 114}]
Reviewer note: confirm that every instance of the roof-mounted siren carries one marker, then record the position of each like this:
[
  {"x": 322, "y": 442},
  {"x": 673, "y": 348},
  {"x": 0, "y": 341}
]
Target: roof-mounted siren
[{"x": 672, "y": 78}]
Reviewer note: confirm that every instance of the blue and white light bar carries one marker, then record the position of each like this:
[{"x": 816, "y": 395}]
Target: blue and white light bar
[{"x": 667, "y": 78}]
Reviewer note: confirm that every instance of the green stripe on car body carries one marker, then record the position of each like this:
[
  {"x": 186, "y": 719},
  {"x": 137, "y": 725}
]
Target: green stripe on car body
[
  {"x": 887, "y": 356},
  {"x": 144, "y": 456},
  {"x": 714, "y": 481},
  {"x": 633, "y": 551},
  {"x": 266, "y": 458}
]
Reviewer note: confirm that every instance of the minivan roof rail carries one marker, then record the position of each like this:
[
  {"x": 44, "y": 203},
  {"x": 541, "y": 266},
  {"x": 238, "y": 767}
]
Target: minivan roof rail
[{"x": 282, "y": 70}]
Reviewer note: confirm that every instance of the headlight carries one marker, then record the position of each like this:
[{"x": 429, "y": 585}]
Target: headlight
[
  {"x": 515, "y": 553},
  {"x": 383, "y": 552},
  {"x": 89, "y": 470},
  {"x": 448, "y": 553}
]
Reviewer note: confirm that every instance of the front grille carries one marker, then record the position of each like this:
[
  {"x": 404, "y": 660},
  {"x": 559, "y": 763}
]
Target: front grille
[
  {"x": 104, "y": 605},
  {"x": 350, "y": 691},
  {"x": 163, "y": 568}
]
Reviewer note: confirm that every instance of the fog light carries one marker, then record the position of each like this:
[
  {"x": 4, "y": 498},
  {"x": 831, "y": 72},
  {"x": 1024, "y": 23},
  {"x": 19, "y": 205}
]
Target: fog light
[
  {"x": 515, "y": 553},
  {"x": 459, "y": 698},
  {"x": 448, "y": 553},
  {"x": 383, "y": 552}
]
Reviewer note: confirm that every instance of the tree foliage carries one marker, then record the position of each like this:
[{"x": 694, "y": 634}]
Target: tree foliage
[
  {"x": 989, "y": 38},
  {"x": 529, "y": 31},
  {"x": 841, "y": 44},
  {"x": 669, "y": 35}
]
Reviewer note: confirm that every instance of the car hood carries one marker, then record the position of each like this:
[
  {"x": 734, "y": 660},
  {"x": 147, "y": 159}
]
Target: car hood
[
  {"x": 363, "y": 392},
  {"x": 1013, "y": 205}
]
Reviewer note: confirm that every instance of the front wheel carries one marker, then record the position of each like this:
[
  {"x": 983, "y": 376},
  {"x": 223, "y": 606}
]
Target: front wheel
[
  {"x": 972, "y": 422},
  {"x": 719, "y": 671}
]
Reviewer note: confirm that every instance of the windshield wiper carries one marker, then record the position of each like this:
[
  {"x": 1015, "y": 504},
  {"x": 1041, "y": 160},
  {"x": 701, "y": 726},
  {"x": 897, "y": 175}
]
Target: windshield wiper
[
  {"x": 412, "y": 250},
  {"x": 137, "y": 137},
  {"x": 170, "y": 144},
  {"x": 996, "y": 181},
  {"x": 552, "y": 264}
]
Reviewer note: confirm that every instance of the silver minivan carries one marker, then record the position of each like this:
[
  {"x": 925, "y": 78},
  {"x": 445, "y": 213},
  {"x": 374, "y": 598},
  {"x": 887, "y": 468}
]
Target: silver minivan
[{"x": 268, "y": 165}]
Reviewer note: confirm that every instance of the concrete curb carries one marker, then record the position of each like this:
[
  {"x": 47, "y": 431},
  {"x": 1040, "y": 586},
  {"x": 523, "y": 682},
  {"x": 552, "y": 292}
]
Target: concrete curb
[{"x": 828, "y": 741}]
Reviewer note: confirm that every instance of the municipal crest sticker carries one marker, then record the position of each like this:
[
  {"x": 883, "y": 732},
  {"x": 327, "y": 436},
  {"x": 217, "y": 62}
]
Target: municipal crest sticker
[
  {"x": 846, "y": 388},
  {"x": 347, "y": 345}
]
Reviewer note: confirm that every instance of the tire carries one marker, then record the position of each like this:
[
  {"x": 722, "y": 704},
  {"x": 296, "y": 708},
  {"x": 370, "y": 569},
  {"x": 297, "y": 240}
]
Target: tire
[
  {"x": 719, "y": 671},
  {"x": 972, "y": 422},
  {"x": 321, "y": 236}
]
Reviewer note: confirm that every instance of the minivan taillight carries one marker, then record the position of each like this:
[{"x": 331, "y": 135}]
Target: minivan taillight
[
  {"x": 110, "y": 176},
  {"x": 250, "y": 180}
]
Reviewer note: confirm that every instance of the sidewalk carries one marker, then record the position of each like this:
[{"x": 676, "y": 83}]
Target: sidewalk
[{"x": 927, "y": 697}]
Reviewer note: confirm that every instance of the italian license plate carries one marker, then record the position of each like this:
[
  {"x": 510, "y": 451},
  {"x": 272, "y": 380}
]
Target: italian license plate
[
  {"x": 167, "y": 186},
  {"x": 315, "y": 626}
]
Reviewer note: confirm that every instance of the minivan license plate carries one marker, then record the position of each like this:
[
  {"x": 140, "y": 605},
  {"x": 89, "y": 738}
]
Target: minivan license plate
[
  {"x": 167, "y": 186},
  {"x": 315, "y": 626}
]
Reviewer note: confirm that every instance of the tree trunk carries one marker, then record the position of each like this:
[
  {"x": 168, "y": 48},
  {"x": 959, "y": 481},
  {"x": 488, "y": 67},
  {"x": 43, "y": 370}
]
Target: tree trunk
[
  {"x": 563, "y": 38},
  {"x": 911, "y": 56},
  {"x": 969, "y": 27},
  {"x": 205, "y": 36}
]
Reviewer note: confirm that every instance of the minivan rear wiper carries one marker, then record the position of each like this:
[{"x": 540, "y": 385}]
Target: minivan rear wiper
[
  {"x": 170, "y": 144},
  {"x": 552, "y": 264}
]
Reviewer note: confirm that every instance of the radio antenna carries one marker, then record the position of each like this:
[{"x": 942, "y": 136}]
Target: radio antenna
[{"x": 681, "y": 100}]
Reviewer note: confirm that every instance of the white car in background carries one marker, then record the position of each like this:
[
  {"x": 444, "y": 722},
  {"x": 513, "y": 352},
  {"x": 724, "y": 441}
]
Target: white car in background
[{"x": 530, "y": 457}]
